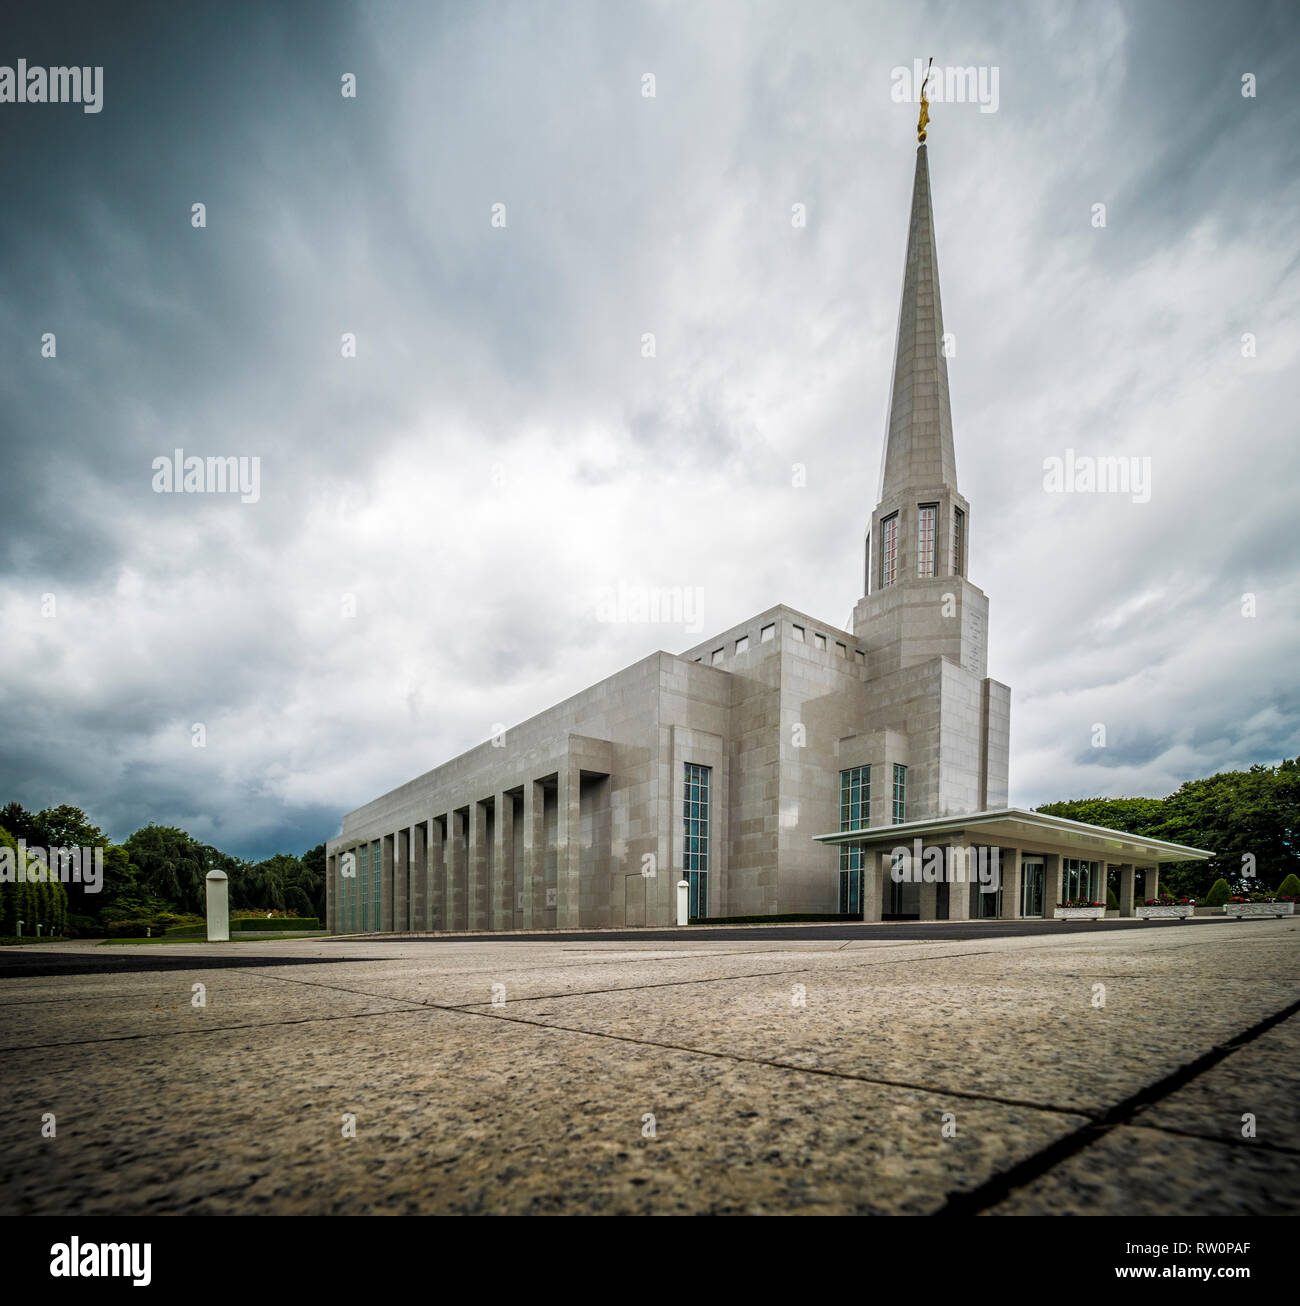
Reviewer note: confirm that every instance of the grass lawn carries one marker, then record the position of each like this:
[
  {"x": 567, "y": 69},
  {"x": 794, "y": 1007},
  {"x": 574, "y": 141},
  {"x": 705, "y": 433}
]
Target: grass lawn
[{"x": 261, "y": 936}]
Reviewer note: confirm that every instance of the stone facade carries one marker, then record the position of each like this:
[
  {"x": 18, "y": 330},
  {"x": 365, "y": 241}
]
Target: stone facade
[{"x": 579, "y": 816}]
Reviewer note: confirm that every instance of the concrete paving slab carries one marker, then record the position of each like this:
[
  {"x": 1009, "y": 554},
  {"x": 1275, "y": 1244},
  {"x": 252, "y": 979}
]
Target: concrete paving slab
[
  {"x": 1258, "y": 1079},
  {"x": 461, "y": 1114},
  {"x": 1131, "y": 1172},
  {"x": 759, "y": 1105}
]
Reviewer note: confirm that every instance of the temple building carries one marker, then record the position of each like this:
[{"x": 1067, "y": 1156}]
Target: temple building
[{"x": 778, "y": 767}]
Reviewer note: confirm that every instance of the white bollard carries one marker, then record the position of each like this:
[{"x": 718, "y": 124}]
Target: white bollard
[
  {"x": 20, "y": 928},
  {"x": 218, "y": 887},
  {"x": 683, "y": 901}
]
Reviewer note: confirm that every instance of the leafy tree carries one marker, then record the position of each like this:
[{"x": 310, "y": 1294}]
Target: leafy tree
[
  {"x": 21, "y": 824},
  {"x": 33, "y": 902},
  {"x": 1241, "y": 815},
  {"x": 171, "y": 864}
]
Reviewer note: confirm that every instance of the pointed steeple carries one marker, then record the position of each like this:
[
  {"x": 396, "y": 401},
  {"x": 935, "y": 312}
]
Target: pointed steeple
[
  {"x": 920, "y": 528},
  {"x": 918, "y": 443}
]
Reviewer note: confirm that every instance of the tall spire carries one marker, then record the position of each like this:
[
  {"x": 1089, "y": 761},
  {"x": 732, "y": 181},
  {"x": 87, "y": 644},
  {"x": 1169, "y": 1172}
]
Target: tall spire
[{"x": 918, "y": 443}]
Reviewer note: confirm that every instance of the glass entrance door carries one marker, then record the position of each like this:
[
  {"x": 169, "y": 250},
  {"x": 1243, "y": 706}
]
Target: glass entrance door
[
  {"x": 1031, "y": 888},
  {"x": 988, "y": 906}
]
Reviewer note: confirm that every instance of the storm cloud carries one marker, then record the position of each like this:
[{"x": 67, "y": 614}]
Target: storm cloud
[{"x": 439, "y": 514}]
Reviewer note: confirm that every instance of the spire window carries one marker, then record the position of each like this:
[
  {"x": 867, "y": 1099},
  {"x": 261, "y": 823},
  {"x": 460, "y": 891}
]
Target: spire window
[
  {"x": 925, "y": 519},
  {"x": 889, "y": 549}
]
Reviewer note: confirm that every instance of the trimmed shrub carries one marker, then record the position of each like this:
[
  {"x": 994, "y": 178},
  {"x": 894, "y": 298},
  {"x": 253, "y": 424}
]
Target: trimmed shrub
[
  {"x": 1219, "y": 894},
  {"x": 42, "y": 902},
  {"x": 273, "y": 923},
  {"x": 1290, "y": 887},
  {"x": 1112, "y": 902}
]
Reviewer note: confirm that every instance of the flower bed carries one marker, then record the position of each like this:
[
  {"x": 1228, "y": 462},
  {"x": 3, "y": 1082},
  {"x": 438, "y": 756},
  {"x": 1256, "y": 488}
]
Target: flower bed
[
  {"x": 1167, "y": 909},
  {"x": 1079, "y": 909},
  {"x": 1259, "y": 904}
]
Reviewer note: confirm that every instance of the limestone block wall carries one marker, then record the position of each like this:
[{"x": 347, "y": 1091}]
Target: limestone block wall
[
  {"x": 823, "y": 695},
  {"x": 909, "y": 623},
  {"x": 459, "y": 874}
]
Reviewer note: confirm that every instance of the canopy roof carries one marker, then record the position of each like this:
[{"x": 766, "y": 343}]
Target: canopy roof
[{"x": 1030, "y": 831}]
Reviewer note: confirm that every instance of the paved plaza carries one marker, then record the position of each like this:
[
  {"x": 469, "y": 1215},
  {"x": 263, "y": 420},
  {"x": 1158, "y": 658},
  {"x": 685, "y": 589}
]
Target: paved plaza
[{"x": 775, "y": 1070}]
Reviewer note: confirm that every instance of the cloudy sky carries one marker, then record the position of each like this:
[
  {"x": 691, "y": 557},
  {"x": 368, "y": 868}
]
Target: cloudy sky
[{"x": 500, "y": 451}]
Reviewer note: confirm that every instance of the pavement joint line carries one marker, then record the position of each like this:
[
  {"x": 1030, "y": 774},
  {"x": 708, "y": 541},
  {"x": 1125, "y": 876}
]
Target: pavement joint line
[
  {"x": 253, "y": 973},
  {"x": 1277, "y": 1149},
  {"x": 630, "y": 988},
  {"x": 189, "y": 1033},
  {"x": 738, "y": 1057},
  {"x": 92, "y": 997},
  {"x": 1001, "y": 1185},
  {"x": 1109, "y": 1119}
]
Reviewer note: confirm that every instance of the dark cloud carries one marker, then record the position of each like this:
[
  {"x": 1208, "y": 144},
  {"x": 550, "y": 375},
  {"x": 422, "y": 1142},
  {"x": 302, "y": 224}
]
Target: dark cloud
[{"x": 500, "y": 448}]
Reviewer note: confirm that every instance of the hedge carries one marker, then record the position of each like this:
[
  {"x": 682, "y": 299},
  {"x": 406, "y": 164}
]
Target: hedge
[
  {"x": 274, "y": 923},
  {"x": 772, "y": 920},
  {"x": 250, "y": 925},
  {"x": 44, "y": 902}
]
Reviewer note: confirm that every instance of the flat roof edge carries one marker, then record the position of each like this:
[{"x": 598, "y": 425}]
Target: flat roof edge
[{"x": 1015, "y": 816}]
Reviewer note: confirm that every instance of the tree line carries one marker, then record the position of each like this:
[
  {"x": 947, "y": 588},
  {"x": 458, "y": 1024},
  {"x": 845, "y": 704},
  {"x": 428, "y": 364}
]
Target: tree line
[
  {"x": 155, "y": 875},
  {"x": 1247, "y": 817}
]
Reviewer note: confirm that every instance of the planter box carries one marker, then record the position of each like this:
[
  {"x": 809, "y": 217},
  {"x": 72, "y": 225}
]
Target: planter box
[
  {"x": 1078, "y": 913},
  {"x": 1163, "y": 913},
  {"x": 1240, "y": 909}
]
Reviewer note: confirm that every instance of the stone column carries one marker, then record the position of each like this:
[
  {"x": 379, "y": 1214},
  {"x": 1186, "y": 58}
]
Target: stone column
[
  {"x": 1012, "y": 880},
  {"x": 455, "y": 911},
  {"x": 387, "y": 894},
  {"x": 436, "y": 874},
  {"x": 1153, "y": 881},
  {"x": 1127, "y": 876},
  {"x": 927, "y": 891},
  {"x": 958, "y": 889},
  {"x": 568, "y": 835},
  {"x": 476, "y": 913},
  {"x": 534, "y": 852},
  {"x": 419, "y": 873},
  {"x": 874, "y": 873},
  {"x": 402, "y": 878},
  {"x": 1051, "y": 883},
  {"x": 332, "y": 893},
  {"x": 503, "y": 868},
  {"x": 1103, "y": 882}
]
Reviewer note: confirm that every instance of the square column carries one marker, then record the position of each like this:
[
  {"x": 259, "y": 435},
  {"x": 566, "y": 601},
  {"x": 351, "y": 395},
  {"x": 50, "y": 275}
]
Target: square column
[
  {"x": 1153, "y": 881},
  {"x": 503, "y": 867},
  {"x": 959, "y": 889},
  {"x": 873, "y": 885},
  {"x": 385, "y": 913},
  {"x": 436, "y": 874},
  {"x": 568, "y": 839},
  {"x": 476, "y": 913},
  {"x": 1127, "y": 876},
  {"x": 332, "y": 893},
  {"x": 456, "y": 909},
  {"x": 402, "y": 881},
  {"x": 534, "y": 853},
  {"x": 1051, "y": 883},
  {"x": 418, "y": 855},
  {"x": 1012, "y": 880},
  {"x": 927, "y": 891}
]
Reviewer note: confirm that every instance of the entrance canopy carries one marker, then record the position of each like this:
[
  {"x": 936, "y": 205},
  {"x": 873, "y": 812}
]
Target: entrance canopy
[{"x": 1014, "y": 827}]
